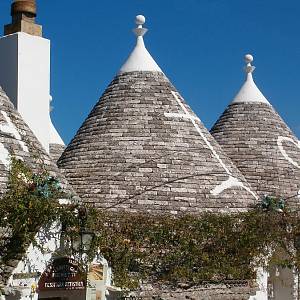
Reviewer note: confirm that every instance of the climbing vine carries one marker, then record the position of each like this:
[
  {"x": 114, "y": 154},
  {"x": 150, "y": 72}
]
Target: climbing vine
[
  {"x": 176, "y": 251},
  {"x": 191, "y": 250},
  {"x": 30, "y": 202}
]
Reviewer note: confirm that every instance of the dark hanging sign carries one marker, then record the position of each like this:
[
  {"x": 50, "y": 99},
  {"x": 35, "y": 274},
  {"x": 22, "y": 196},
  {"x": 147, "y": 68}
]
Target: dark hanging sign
[{"x": 62, "y": 274}]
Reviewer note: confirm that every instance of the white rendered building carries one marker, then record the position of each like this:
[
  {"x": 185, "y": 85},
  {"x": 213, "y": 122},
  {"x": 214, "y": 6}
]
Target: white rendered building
[{"x": 25, "y": 78}]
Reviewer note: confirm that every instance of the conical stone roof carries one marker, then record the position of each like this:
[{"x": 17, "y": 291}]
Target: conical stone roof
[
  {"x": 259, "y": 142},
  {"x": 143, "y": 148},
  {"x": 17, "y": 140}
]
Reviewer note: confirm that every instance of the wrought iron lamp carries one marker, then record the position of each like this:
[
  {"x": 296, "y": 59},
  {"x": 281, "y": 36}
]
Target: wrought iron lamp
[{"x": 83, "y": 242}]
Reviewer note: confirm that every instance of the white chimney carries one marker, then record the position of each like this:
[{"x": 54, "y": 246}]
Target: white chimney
[{"x": 25, "y": 71}]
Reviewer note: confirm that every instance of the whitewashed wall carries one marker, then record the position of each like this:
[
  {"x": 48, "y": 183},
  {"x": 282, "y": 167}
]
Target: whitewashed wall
[{"x": 25, "y": 77}]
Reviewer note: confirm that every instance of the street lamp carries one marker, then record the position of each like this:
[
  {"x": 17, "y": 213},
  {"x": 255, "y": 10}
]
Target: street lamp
[{"x": 83, "y": 242}]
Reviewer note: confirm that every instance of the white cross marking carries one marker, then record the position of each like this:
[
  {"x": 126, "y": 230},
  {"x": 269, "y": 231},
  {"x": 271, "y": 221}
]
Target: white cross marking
[
  {"x": 181, "y": 116},
  {"x": 192, "y": 118},
  {"x": 232, "y": 181}
]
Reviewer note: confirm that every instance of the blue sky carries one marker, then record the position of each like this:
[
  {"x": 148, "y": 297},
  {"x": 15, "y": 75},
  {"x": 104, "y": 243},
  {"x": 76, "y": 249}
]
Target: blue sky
[{"x": 199, "y": 44}]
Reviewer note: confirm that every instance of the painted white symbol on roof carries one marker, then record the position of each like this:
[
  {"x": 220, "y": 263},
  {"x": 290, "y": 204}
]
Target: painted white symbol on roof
[
  {"x": 280, "y": 141},
  {"x": 10, "y": 128},
  {"x": 4, "y": 156},
  {"x": 229, "y": 183},
  {"x": 232, "y": 181}
]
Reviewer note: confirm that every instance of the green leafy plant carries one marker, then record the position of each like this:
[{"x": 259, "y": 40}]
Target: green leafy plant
[
  {"x": 30, "y": 202},
  {"x": 194, "y": 249},
  {"x": 272, "y": 203},
  {"x": 174, "y": 251}
]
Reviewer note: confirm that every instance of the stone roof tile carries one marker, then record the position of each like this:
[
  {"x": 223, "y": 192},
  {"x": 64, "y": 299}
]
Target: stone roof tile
[
  {"x": 143, "y": 148},
  {"x": 262, "y": 146}
]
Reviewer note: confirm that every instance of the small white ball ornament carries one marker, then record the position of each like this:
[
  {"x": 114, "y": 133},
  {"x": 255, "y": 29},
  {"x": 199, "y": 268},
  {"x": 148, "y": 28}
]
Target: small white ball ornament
[
  {"x": 248, "y": 58},
  {"x": 140, "y": 20}
]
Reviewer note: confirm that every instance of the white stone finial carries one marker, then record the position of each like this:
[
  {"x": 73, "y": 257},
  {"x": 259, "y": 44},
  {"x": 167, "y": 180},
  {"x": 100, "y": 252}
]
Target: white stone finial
[
  {"x": 140, "y": 20},
  {"x": 248, "y": 58},
  {"x": 249, "y": 92},
  {"x": 249, "y": 68},
  {"x": 140, "y": 59}
]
